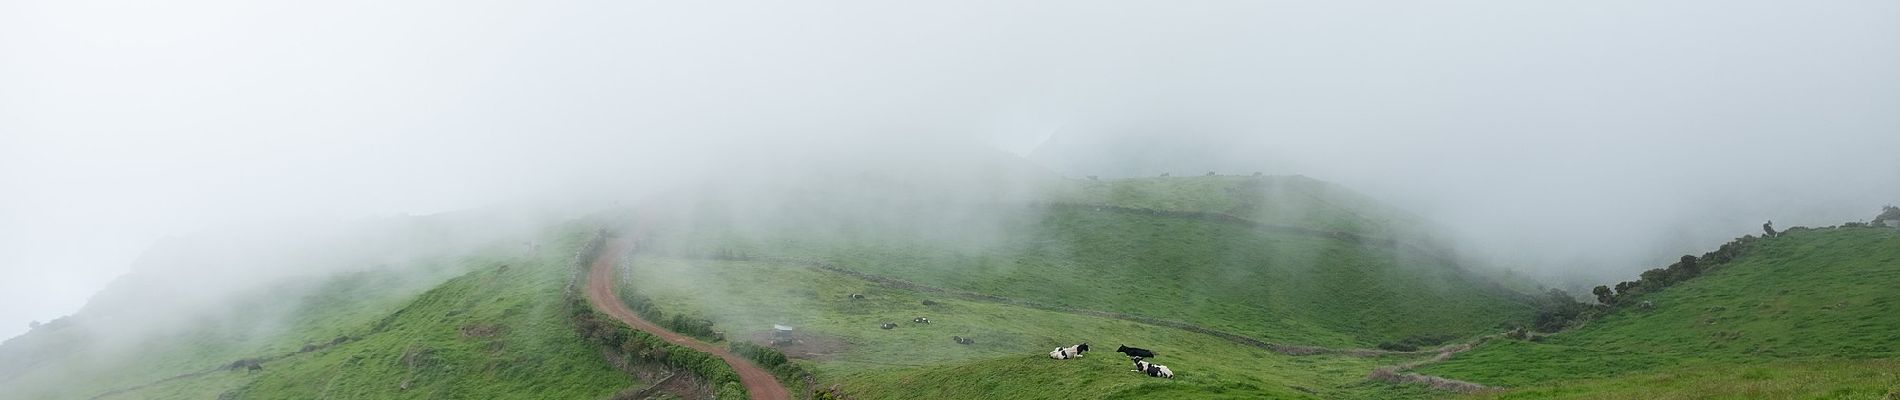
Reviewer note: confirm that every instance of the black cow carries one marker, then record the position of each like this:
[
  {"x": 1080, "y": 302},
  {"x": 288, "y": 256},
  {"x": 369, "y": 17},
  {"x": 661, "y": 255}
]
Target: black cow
[
  {"x": 887, "y": 325},
  {"x": 1135, "y": 351}
]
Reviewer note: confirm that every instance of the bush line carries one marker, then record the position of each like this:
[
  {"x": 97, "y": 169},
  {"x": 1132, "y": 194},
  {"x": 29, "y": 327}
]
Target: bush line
[{"x": 640, "y": 347}]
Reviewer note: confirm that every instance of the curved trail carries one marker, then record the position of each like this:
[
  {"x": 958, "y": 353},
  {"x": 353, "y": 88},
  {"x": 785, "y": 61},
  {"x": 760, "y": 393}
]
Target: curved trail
[{"x": 759, "y": 384}]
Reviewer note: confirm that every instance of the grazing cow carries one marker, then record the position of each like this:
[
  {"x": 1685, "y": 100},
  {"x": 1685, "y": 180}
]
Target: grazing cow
[
  {"x": 920, "y": 320},
  {"x": 1135, "y": 351},
  {"x": 1064, "y": 353},
  {"x": 887, "y": 325},
  {"x": 963, "y": 340}
]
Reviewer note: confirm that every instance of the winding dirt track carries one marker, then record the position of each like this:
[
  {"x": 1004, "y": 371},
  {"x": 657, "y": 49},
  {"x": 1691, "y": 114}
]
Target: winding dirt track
[{"x": 761, "y": 385}]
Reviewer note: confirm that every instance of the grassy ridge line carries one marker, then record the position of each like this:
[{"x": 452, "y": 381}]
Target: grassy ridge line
[
  {"x": 1291, "y": 350},
  {"x": 1436, "y": 254},
  {"x": 1791, "y": 306},
  {"x": 1230, "y": 219}
]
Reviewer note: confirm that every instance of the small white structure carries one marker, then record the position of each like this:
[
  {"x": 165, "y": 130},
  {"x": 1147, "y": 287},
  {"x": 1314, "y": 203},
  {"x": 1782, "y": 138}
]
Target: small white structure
[{"x": 781, "y": 335}]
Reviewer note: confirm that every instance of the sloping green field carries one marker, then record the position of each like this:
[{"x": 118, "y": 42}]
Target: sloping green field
[
  {"x": 1272, "y": 199},
  {"x": 1009, "y": 358},
  {"x": 1275, "y": 286},
  {"x": 1810, "y": 313},
  {"x": 497, "y": 331}
]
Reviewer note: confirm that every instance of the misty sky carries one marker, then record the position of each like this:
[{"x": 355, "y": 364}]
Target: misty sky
[{"x": 1574, "y": 139}]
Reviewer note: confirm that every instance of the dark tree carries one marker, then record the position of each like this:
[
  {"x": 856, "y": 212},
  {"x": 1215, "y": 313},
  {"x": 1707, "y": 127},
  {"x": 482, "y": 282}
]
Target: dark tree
[
  {"x": 1654, "y": 278},
  {"x": 1689, "y": 266},
  {"x": 1624, "y": 288},
  {"x": 1604, "y": 294},
  {"x": 1768, "y": 228},
  {"x": 1889, "y": 216}
]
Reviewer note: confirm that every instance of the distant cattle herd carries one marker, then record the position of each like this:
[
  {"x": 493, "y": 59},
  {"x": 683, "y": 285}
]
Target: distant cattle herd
[{"x": 1137, "y": 355}]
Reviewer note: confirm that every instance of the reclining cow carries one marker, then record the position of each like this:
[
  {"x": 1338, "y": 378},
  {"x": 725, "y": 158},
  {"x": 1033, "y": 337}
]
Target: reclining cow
[
  {"x": 1152, "y": 369},
  {"x": 1064, "y": 353}
]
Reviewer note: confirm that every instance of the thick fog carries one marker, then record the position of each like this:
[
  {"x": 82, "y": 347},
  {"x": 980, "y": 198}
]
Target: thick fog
[{"x": 1577, "y": 142}]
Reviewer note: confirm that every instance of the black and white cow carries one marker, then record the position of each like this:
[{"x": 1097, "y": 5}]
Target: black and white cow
[
  {"x": 1064, "y": 353},
  {"x": 1159, "y": 371},
  {"x": 1135, "y": 351},
  {"x": 1152, "y": 369},
  {"x": 920, "y": 320}
]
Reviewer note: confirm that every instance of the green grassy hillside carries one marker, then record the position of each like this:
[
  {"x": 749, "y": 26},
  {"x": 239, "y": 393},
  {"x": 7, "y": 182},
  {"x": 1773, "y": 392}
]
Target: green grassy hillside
[
  {"x": 1288, "y": 200},
  {"x": 78, "y": 359},
  {"x": 496, "y": 331},
  {"x": 842, "y": 342},
  {"x": 1285, "y": 286},
  {"x": 1809, "y": 313},
  {"x": 1027, "y": 277}
]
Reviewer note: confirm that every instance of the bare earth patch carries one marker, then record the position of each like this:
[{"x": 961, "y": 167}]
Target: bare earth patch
[{"x": 804, "y": 345}]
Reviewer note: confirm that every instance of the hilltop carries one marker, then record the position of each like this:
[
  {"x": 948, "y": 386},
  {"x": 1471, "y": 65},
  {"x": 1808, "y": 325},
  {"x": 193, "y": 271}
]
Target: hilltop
[{"x": 1212, "y": 268}]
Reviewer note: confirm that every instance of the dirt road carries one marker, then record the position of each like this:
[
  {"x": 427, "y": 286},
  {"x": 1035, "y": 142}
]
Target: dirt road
[{"x": 761, "y": 385}]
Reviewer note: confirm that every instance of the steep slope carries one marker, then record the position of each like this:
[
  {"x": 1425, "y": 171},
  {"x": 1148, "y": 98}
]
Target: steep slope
[
  {"x": 1797, "y": 315},
  {"x": 400, "y": 330},
  {"x": 498, "y": 332}
]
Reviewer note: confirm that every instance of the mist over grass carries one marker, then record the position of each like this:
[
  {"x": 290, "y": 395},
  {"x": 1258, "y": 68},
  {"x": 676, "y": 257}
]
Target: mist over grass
[{"x": 1578, "y": 142}]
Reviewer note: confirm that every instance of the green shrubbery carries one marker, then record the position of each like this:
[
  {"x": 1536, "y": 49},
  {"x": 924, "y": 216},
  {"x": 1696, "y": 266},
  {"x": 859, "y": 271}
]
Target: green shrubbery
[
  {"x": 771, "y": 359},
  {"x": 1684, "y": 269},
  {"x": 1557, "y": 310},
  {"x": 641, "y": 347},
  {"x": 685, "y": 324}
]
